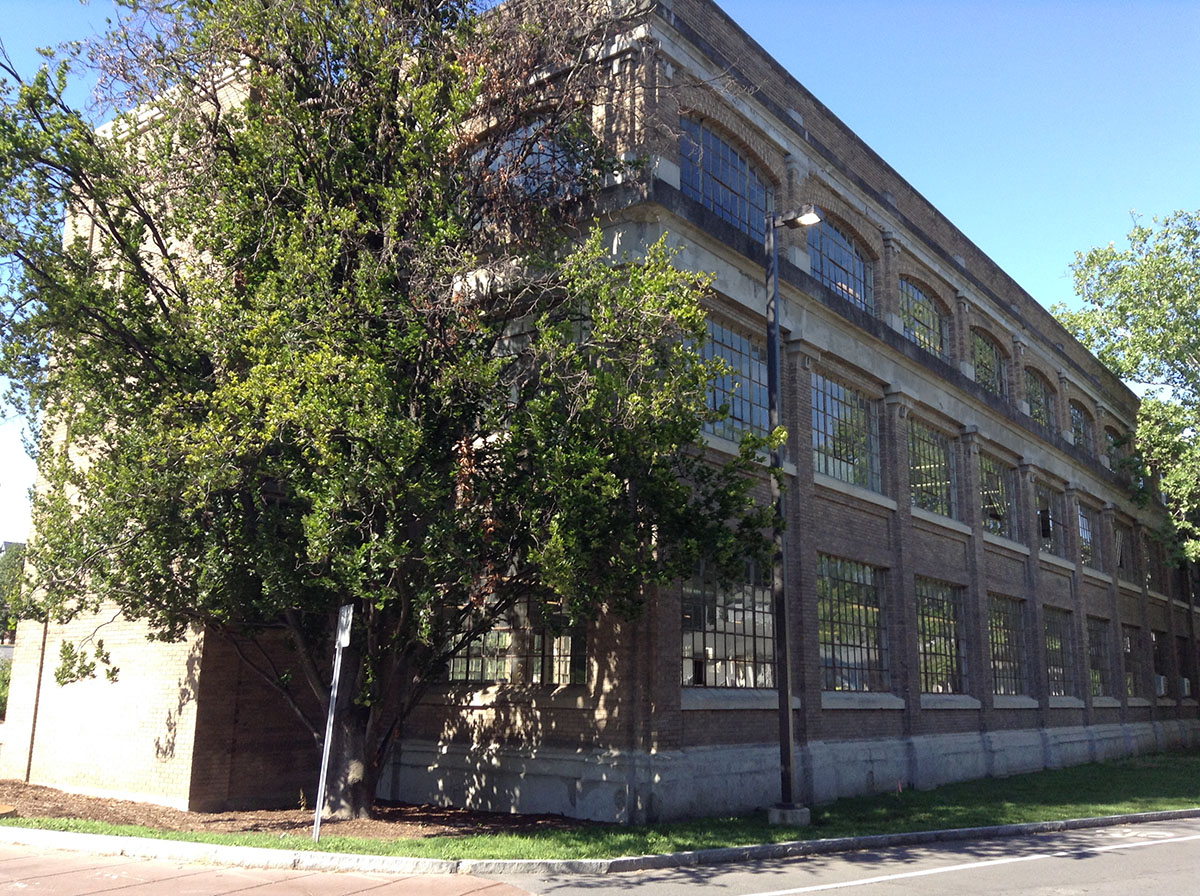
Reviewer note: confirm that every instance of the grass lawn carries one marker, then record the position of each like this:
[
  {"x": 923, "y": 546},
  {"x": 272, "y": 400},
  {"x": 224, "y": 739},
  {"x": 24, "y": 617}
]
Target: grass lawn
[{"x": 1144, "y": 784}]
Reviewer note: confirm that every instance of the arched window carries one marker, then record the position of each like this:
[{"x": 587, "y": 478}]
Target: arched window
[
  {"x": 715, "y": 174},
  {"x": 989, "y": 363},
  {"x": 924, "y": 322},
  {"x": 1082, "y": 429},
  {"x": 839, "y": 263},
  {"x": 1040, "y": 397}
]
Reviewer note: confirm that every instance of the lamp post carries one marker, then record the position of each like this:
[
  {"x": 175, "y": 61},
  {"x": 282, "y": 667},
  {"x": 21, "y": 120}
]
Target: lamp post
[{"x": 787, "y": 811}]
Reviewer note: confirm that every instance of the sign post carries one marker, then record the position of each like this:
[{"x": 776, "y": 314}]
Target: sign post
[{"x": 343, "y": 638}]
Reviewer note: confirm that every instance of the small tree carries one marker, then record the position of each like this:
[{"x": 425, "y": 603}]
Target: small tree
[
  {"x": 1142, "y": 319},
  {"x": 315, "y": 337}
]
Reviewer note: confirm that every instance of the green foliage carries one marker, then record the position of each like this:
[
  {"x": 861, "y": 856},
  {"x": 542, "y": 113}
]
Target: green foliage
[
  {"x": 5, "y": 680},
  {"x": 1141, "y": 319},
  {"x": 12, "y": 585},
  {"x": 316, "y": 335}
]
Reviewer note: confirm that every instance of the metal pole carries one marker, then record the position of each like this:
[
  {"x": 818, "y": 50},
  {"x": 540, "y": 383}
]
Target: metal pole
[
  {"x": 783, "y": 665},
  {"x": 342, "y": 639}
]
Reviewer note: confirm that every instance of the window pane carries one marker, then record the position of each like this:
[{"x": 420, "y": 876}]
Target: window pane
[
  {"x": 939, "y": 613},
  {"x": 851, "y": 626},
  {"x": 931, "y": 469},
  {"x": 845, "y": 433},
  {"x": 722, "y": 179},
  {"x": 997, "y": 488},
  {"x": 924, "y": 324},
  {"x": 743, "y": 390},
  {"x": 1099, "y": 664},
  {"x": 989, "y": 364},
  {"x": 837, "y": 261},
  {"x": 1060, "y": 674},
  {"x": 728, "y": 634},
  {"x": 1006, "y": 634},
  {"x": 1040, "y": 397}
]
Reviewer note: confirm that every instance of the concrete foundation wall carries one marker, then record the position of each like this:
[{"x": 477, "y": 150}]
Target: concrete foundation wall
[{"x": 637, "y": 787}]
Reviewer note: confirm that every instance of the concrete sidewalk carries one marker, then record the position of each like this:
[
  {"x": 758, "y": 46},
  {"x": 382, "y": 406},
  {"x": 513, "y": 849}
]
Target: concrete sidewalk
[
  {"x": 40, "y": 869},
  {"x": 393, "y": 867}
]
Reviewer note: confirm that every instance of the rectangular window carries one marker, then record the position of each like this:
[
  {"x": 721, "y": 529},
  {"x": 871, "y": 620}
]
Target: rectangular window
[
  {"x": 1131, "y": 659},
  {"x": 1156, "y": 566},
  {"x": 1099, "y": 661},
  {"x": 523, "y": 649},
  {"x": 1006, "y": 635},
  {"x": 931, "y": 469},
  {"x": 851, "y": 628},
  {"x": 989, "y": 361},
  {"x": 728, "y": 634},
  {"x": 1089, "y": 538},
  {"x": 1060, "y": 668},
  {"x": 1052, "y": 538},
  {"x": 742, "y": 391},
  {"x": 1125, "y": 545},
  {"x": 997, "y": 492},
  {"x": 845, "y": 433},
  {"x": 1040, "y": 398},
  {"x": 1082, "y": 429},
  {"x": 939, "y": 621}
]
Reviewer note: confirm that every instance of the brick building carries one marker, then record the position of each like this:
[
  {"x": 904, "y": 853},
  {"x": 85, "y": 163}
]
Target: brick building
[{"x": 973, "y": 589}]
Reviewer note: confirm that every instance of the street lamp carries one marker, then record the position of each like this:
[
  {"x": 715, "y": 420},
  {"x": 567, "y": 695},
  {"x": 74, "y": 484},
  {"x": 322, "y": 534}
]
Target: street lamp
[{"x": 787, "y": 812}]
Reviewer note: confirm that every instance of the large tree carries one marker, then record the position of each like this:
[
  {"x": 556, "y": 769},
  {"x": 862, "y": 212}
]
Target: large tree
[
  {"x": 326, "y": 328},
  {"x": 1141, "y": 317}
]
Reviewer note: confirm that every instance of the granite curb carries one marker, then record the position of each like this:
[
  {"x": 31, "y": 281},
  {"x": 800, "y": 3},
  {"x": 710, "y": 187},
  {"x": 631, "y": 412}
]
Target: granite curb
[{"x": 304, "y": 860}]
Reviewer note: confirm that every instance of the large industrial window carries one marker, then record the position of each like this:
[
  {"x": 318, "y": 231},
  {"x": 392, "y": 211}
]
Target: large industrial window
[
  {"x": 1060, "y": 669},
  {"x": 715, "y": 174},
  {"x": 523, "y": 649},
  {"x": 850, "y": 623},
  {"x": 1040, "y": 397},
  {"x": 924, "y": 323},
  {"x": 845, "y": 433},
  {"x": 1131, "y": 659},
  {"x": 1082, "y": 429},
  {"x": 1156, "y": 566},
  {"x": 1126, "y": 548},
  {"x": 1052, "y": 535},
  {"x": 939, "y": 621},
  {"x": 1089, "y": 538},
  {"x": 1099, "y": 660},
  {"x": 997, "y": 492},
  {"x": 742, "y": 391},
  {"x": 728, "y": 634},
  {"x": 838, "y": 262},
  {"x": 931, "y": 472},
  {"x": 989, "y": 363},
  {"x": 1006, "y": 635}
]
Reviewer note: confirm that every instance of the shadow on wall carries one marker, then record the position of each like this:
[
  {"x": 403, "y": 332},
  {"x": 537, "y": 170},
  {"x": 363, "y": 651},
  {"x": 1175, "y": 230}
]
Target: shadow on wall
[{"x": 164, "y": 744}]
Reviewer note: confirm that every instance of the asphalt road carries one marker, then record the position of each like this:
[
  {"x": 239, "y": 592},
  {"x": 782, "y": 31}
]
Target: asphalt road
[{"x": 1159, "y": 858}]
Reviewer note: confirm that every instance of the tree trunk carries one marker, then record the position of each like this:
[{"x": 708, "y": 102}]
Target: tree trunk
[{"x": 353, "y": 772}]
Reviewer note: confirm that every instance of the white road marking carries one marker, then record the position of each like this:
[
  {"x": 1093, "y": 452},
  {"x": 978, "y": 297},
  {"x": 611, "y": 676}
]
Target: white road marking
[{"x": 967, "y": 867}]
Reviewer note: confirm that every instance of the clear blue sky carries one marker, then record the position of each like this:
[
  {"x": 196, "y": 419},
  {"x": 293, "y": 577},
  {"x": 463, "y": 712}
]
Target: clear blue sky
[{"x": 1036, "y": 126}]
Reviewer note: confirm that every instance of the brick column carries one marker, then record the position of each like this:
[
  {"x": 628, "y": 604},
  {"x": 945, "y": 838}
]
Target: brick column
[
  {"x": 977, "y": 665},
  {"x": 887, "y": 294},
  {"x": 901, "y": 613}
]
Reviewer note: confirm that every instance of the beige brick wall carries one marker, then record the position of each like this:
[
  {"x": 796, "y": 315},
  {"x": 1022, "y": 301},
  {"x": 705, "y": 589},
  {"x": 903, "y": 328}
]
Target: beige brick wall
[{"x": 128, "y": 739}]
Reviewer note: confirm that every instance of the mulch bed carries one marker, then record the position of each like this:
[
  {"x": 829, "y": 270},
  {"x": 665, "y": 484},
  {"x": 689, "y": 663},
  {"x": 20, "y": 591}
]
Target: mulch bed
[{"x": 390, "y": 821}]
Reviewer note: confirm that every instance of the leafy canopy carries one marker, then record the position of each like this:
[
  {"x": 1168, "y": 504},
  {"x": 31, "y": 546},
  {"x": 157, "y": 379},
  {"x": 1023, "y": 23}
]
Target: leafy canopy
[
  {"x": 326, "y": 326},
  {"x": 1142, "y": 319}
]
